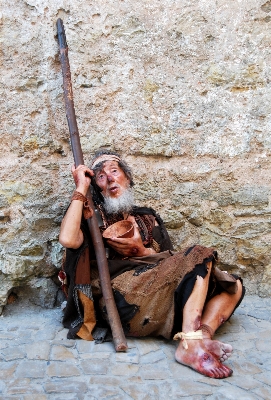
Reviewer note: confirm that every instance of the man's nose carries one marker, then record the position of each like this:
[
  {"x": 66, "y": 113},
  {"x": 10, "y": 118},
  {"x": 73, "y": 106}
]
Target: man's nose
[{"x": 110, "y": 178}]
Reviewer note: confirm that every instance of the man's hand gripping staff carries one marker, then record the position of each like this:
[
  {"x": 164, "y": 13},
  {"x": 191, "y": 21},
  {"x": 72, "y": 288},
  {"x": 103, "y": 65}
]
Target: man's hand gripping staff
[{"x": 114, "y": 319}]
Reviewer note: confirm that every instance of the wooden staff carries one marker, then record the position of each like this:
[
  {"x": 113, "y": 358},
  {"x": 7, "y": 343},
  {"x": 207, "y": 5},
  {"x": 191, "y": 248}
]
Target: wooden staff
[{"x": 112, "y": 312}]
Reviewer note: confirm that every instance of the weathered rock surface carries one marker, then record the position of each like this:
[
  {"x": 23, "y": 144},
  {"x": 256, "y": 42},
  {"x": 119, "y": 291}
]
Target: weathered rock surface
[{"x": 181, "y": 88}]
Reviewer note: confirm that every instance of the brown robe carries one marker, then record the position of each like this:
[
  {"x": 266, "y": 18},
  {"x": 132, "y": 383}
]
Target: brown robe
[{"x": 150, "y": 292}]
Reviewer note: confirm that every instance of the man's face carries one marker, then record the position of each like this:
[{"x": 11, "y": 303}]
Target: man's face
[{"x": 112, "y": 180}]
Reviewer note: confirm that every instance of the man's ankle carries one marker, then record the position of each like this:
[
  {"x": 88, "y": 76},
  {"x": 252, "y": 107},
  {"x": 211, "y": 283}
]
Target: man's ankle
[{"x": 207, "y": 331}]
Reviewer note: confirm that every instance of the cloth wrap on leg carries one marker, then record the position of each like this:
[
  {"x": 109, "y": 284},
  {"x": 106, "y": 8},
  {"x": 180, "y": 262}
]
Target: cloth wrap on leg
[
  {"x": 145, "y": 295},
  {"x": 150, "y": 294},
  {"x": 79, "y": 314}
]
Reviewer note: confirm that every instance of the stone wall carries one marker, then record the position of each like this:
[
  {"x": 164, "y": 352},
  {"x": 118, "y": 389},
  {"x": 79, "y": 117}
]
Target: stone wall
[{"x": 181, "y": 88}]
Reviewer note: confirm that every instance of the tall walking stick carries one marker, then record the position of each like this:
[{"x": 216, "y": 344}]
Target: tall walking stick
[{"x": 112, "y": 312}]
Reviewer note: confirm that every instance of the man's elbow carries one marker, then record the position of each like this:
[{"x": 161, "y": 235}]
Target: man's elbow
[{"x": 67, "y": 242}]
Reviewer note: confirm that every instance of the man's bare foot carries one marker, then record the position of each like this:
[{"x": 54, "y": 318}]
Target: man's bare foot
[
  {"x": 221, "y": 350},
  {"x": 199, "y": 357}
]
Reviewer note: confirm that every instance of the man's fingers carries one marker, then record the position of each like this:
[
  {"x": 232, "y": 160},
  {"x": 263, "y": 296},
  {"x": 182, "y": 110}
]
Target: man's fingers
[
  {"x": 136, "y": 232},
  {"x": 82, "y": 168},
  {"x": 121, "y": 241}
]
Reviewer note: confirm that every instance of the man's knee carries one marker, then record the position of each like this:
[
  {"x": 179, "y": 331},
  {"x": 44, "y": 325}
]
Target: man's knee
[{"x": 240, "y": 292}]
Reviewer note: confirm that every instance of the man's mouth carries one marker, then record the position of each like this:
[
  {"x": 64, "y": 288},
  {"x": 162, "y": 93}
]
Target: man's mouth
[{"x": 113, "y": 189}]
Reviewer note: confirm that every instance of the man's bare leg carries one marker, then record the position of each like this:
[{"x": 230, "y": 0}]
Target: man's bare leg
[
  {"x": 215, "y": 313},
  {"x": 204, "y": 355}
]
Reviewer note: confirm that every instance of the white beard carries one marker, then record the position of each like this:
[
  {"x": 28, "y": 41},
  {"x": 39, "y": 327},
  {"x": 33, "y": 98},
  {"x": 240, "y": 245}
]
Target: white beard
[{"x": 122, "y": 204}]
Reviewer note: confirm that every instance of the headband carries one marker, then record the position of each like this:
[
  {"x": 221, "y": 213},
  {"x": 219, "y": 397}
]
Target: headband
[{"x": 103, "y": 158}]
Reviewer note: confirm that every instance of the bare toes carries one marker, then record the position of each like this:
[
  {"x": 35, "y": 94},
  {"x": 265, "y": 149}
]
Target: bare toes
[{"x": 219, "y": 349}]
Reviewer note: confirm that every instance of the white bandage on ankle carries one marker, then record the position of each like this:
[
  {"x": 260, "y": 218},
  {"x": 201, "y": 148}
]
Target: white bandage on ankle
[{"x": 188, "y": 336}]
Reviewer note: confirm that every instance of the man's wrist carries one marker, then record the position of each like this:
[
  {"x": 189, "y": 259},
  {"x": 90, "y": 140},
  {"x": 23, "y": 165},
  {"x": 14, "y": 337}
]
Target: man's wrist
[
  {"x": 81, "y": 190},
  {"x": 149, "y": 251},
  {"x": 77, "y": 195},
  {"x": 87, "y": 210}
]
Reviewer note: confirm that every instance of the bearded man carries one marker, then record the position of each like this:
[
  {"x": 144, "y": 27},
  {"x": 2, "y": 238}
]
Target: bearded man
[{"x": 158, "y": 292}]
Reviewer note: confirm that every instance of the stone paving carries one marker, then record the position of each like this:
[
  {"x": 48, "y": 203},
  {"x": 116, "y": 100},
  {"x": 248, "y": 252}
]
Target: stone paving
[{"x": 38, "y": 362}]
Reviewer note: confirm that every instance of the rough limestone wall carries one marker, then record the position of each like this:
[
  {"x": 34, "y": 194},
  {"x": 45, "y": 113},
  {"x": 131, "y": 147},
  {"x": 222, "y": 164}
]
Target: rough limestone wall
[{"x": 181, "y": 88}]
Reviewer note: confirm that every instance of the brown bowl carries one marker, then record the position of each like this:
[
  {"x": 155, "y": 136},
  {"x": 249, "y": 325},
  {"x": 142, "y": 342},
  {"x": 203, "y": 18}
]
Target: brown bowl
[{"x": 121, "y": 229}]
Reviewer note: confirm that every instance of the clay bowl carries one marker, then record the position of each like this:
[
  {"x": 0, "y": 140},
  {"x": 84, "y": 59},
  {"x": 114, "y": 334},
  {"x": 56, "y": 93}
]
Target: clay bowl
[{"x": 121, "y": 229}]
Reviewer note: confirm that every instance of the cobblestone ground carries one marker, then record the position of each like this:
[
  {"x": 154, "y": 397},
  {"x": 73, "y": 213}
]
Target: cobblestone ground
[{"x": 37, "y": 362}]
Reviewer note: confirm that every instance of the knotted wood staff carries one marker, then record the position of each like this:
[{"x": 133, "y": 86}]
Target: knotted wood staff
[{"x": 112, "y": 312}]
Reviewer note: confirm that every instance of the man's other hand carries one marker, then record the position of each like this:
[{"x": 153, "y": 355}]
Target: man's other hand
[{"x": 130, "y": 247}]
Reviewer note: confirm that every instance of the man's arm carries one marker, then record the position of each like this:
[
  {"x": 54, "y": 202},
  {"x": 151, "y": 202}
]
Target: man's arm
[{"x": 71, "y": 235}]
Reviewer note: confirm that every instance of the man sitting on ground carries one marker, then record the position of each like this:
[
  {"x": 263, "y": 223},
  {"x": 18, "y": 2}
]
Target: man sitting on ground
[{"x": 158, "y": 292}]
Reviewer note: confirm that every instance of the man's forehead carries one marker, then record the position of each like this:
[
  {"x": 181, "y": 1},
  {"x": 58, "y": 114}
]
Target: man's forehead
[
  {"x": 108, "y": 164},
  {"x": 104, "y": 157}
]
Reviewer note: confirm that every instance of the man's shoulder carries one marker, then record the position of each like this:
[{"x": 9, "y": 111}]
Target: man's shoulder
[
  {"x": 144, "y": 210},
  {"x": 147, "y": 211}
]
